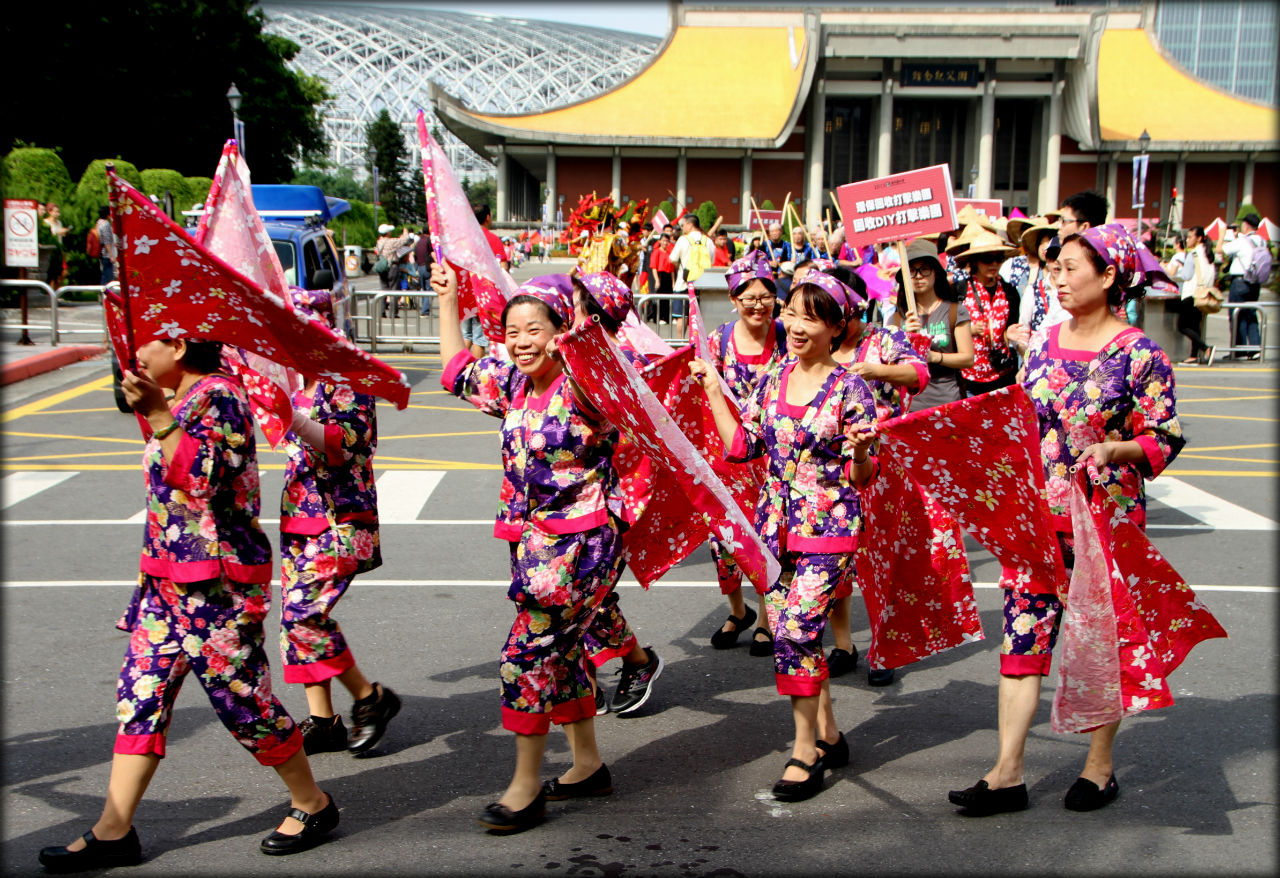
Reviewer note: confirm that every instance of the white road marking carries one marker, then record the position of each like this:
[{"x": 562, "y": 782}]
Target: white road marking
[
  {"x": 24, "y": 485},
  {"x": 1212, "y": 510},
  {"x": 402, "y": 493}
]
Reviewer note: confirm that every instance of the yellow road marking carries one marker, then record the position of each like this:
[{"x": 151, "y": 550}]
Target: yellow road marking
[
  {"x": 1183, "y": 399},
  {"x": 71, "y": 456},
  {"x": 1235, "y": 447},
  {"x": 431, "y": 393},
  {"x": 76, "y": 411},
  {"x": 1232, "y": 459},
  {"x": 1217, "y": 472},
  {"x": 447, "y": 408},
  {"x": 138, "y": 442},
  {"x": 1182, "y": 386},
  {"x": 41, "y": 405},
  {"x": 1227, "y": 417}
]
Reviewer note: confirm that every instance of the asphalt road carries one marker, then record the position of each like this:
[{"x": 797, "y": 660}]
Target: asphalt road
[{"x": 692, "y": 770}]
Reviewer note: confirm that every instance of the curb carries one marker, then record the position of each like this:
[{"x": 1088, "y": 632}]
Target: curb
[{"x": 47, "y": 361}]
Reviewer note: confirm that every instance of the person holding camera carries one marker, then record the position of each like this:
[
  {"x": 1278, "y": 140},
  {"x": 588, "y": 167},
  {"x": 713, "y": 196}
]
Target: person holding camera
[{"x": 992, "y": 304}]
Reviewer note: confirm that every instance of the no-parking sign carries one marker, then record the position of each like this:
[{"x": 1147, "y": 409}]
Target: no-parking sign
[{"x": 21, "y": 242}]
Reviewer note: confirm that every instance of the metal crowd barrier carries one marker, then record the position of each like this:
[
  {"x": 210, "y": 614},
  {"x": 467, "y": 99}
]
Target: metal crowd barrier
[
  {"x": 55, "y": 299},
  {"x": 1233, "y": 310},
  {"x": 666, "y": 327},
  {"x": 404, "y": 325}
]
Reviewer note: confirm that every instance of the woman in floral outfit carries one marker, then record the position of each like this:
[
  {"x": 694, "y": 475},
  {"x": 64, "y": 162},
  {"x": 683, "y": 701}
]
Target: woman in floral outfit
[
  {"x": 565, "y": 544},
  {"x": 812, "y": 420},
  {"x": 744, "y": 350},
  {"x": 1104, "y": 397},
  {"x": 328, "y": 535},
  {"x": 203, "y": 592}
]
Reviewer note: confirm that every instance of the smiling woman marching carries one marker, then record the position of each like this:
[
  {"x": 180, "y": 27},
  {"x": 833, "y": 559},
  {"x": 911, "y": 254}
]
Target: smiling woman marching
[
  {"x": 566, "y": 547},
  {"x": 203, "y": 592},
  {"x": 812, "y": 419}
]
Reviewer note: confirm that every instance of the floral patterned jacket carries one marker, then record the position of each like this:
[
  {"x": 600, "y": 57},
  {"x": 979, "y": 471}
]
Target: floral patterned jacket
[
  {"x": 808, "y": 503},
  {"x": 202, "y": 506},
  {"x": 890, "y": 346},
  {"x": 1123, "y": 392},
  {"x": 558, "y": 471},
  {"x": 335, "y": 490},
  {"x": 743, "y": 371}
]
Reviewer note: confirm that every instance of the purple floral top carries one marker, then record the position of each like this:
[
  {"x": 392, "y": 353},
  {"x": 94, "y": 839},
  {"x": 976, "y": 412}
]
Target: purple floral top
[
  {"x": 743, "y": 371},
  {"x": 336, "y": 486},
  {"x": 807, "y": 503},
  {"x": 890, "y": 346},
  {"x": 202, "y": 506},
  {"x": 1123, "y": 392},
  {"x": 557, "y": 465}
]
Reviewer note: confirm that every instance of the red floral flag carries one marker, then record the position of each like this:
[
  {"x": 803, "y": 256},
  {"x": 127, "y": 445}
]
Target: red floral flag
[
  {"x": 912, "y": 571},
  {"x": 980, "y": 459},
  {"x": 231, "y": 229},
  {"x": 483, "y": 286},
  {"x": 174, "y": 287},
  {"x": 694, "y": 503},
  {"x": 1130, "y": 621}
]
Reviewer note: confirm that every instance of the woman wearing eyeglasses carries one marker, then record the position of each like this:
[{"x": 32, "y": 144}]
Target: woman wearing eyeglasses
[{"x": 743, "y": 351}]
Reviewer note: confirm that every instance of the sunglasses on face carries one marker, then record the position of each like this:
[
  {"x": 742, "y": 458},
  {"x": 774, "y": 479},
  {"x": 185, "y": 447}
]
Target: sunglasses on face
[{"x": 988, "y": 258}]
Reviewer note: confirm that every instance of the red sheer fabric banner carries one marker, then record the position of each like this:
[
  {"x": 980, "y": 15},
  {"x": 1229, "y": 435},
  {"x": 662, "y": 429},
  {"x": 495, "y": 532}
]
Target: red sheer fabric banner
[{"x": 689, "y": 502}]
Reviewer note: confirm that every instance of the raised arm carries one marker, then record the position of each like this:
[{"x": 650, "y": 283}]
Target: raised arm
[{"x": 444, "y": 281}]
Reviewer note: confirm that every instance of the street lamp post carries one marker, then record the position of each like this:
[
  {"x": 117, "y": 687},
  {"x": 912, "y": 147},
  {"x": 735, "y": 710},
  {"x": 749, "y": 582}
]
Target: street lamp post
[
  {"x": 1144, "y": 141},
  {"x": 237, "y": 127},
  {"x": 973, "y": 181}
]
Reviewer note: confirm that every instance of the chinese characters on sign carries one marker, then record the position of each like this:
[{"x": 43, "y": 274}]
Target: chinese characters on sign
[
  {"x": 940, "y": 74},
  {"x": 992, "y": 207},
  {"x": 898, "y": 207}
]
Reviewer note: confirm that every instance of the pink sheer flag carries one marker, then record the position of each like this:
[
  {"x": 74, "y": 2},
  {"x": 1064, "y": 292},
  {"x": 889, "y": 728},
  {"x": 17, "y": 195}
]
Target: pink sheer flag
[
  {"x": 639, "y": 337},
  {"x": 1017, "y": 214},
  {"x": 1129, "y": 622},
  {"x": 692, "y": 502},
  {"x": 879, "y": 286},
  {"x": 912, "y": 571},
  {"x": 483, "y": 286},
  {"x": 232, "y": 230},
  {"x": 173, "y": 287},
  {"x": 980, "y": 459}
]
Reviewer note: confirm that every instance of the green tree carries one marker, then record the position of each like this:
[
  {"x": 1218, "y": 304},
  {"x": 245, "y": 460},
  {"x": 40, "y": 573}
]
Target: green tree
[
  {"x": 148, "y": 79},
  {"x": 386, "y": 150},
  {"x": 198, "y": 190},
  {"x": 707, "y": 214},
  {"x": 668, "y": 209},
  {"x": 31, "y": 172},
  {"x": 156, "y": 181},
  {"x": 340, "y": 184},
  {"x": 767, "y": 204},
  {"x": 91, "y": 192},
  {"x": 484, "y": 191},
  {"x": 1245, "y": 210}
]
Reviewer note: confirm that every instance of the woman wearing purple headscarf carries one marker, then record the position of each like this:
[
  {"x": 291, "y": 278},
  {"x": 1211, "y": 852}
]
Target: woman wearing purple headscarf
[{"x": 1104, "y": 395}]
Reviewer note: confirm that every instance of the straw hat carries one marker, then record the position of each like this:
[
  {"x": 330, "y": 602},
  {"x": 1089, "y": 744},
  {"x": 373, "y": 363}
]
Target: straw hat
[
  {"x": 1029, "y": 234},
  {"x": 968, "y": 214},
  {"x": 971, "y": 231},
  {"x": 984, "y": 242},
  {"x": 1016, "y": 225}
]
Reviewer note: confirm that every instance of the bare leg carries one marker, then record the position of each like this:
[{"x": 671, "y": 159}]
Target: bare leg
[
  {"x": 320, "y": 698},
  {"x": 838, "y": 622},
  {"x": 1018, "y": 699},
  {"x": 637, "y": 656},
  {"x": 527, "y": 781},
  {"x": 737, "y": 606},
  {"x": 304, "y": 794},
  {"x": 828, "y": 730},
  {"x": 1098, "y": 766},
  {"x": 805, "y": 710},
  {"x": 586, "y": 755},
  {"x": 355, "y": 682},
  {"x": 131, "y": 773}
]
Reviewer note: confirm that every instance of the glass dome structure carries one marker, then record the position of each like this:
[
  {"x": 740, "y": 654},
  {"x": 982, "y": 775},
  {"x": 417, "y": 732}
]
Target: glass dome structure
[{"x": 375, "y": 56}]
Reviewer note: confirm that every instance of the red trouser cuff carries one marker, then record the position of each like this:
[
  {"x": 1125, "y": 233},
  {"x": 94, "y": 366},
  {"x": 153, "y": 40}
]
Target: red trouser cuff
[
  {"x": 794, "y": 684},
  {"x": 140, "y": 745},
  {"x": 523, "y": 723},
  {"x": 605, "y": 655},
  {"x": 1023, "y": 665},
  {"x": 319, "y": 671},
  {"x": 281, "y": 752}
]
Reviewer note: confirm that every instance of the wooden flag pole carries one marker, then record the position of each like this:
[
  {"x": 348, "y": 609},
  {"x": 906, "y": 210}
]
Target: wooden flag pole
[
  {"x": 764, "y": 232},
  {"x": 795, "y": 213},
  {"x": 117, "y": 228},
  {"x": 906, "y": 279},
  {"x": 837, "y": 204}
]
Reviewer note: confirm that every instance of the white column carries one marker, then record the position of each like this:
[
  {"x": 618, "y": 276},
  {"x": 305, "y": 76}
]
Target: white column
[
  {"x": 987, "y": 139},
  {"x": 681, "y": 180},
  {"x": 551, "y": 184},
  {"x": 1180, "y": 182},
  {"x": 503, "y": 212},
  {"x": 814, "y": 141},
  {"x": 615, "y": 186},
  {"x": 745, "y": 201},
  {"x": 1246, "y": 196},
  {"x": 884, "y": 143},
  {"x": 1053, "y": 150},
  {"x": 1112, "y": 168}
]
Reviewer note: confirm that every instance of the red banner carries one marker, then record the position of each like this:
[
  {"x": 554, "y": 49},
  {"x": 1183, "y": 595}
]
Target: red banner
[
  {"x": 898, "y": 207},
  {"x": 689, "y": 502},
  {"x": 760, "y": 219}
]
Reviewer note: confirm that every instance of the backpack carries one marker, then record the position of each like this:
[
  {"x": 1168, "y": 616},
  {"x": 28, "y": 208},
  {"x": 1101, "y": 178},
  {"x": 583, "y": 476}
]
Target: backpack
[
  {"x": 1258, "y": 271},
  {"x": 698, "y": 260},
  {"x": 92, "y": 243}
]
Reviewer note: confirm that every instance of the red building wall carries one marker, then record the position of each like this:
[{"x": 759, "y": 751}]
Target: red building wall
[
  {"x": 1205, "y": 193},
  {"x": 576, "y": 177},
  {"x": 1266, "y": 189},
  {"x": 718, "y": 180},
  {"x": 648, "y": 178},
  {"x": 1073, "y": 178},
  {"x": 771, "y": 180}
]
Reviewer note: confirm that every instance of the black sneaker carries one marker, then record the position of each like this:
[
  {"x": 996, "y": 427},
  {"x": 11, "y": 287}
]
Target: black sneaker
[
  {"x": 841, "y": 662},
  {"x": 636, "y": 684},
  {"x": 323, "y": 735},
  {"x": 369, "y": 718},
  {"x": 880, "y": 676},
  {"x": 602, "y": 701}
]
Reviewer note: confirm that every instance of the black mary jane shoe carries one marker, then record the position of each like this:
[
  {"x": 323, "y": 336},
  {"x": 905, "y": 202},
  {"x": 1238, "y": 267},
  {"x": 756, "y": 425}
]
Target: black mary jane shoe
[
  {"x": 729, "y": 639},
  {"x": 980, "y": 800},
  {"x": 842, "y": 661},
  {"x": 96, "y": 854},
  {"x": 314, "y": 829},
  {"x": 599, "y": 784},
  {"x": 761, "y": 647},
  {"x": 501, "y": 819},
  {"x": 834, "y": 755},
  {"x": 799, "y": 790},
  {"x": 1084, "y": 795}
]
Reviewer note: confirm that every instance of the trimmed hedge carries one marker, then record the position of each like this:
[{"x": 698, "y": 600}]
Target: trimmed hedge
[
  {"x": 358, "y": 223},
  {"x": 197, "y": 191},
  {"x": 91, "y": 192},
  {"x": 33, "y": 172},
  {"x": 155, "y": 181}
]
